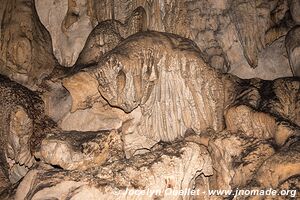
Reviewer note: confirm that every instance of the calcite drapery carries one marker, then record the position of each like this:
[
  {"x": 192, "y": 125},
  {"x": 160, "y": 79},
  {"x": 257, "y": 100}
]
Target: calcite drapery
[
  {"x": 129, "y": 92},
  {"x": 166, "y": 76}
]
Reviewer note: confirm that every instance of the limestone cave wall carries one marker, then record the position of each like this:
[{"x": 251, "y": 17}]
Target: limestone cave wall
[{"x": 144, "y": 99}]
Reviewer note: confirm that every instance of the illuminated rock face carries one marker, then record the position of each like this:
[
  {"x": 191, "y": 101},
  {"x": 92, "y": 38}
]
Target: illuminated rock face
[
  {"x": 176, "y": 90},
  {"x": 233, "y": 36},
  {"x": 77, "y": 151},
  {"x": 166, "y": 77},
  {"x": 69, "y": 24},
  {"x": 138, "y": 99},
  {"x": 249, "y": 109},
  {"x": 166, "y": 167},
  {"x": 108, "y": 34}
]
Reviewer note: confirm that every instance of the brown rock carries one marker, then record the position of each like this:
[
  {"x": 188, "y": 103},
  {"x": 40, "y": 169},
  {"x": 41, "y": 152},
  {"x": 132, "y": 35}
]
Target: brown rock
[
  {"x": 292, "y": 43},
  {"x": 236, "y": 158},
  {"x": 251, "y": 29},
  {"x": 252, "y": 123},
  {"x": 282, "y": 99},
  {"x": 294, "y": 9},
  {"x": 157, "y": 82},
  {"x": 108, "y": 34},
  {"x": 100, "y": 117},
  {"x": 4, "y": 182},
  {"x": 22, "y": 126},
  {"x": 83, "y": 90},
  {"x": 57, "y": 100},
  {"x": 149, "y": 110},
  {"x": 147, "y": 81},
  {"x": 166, "y": 168},
  {"x": 69, "y": 23},
  {"x": 280, "y": 167},
  {"x": 26, "y": 53},
  {"x": 80, "y": 151},
  {"x": 272, "y": 62}
]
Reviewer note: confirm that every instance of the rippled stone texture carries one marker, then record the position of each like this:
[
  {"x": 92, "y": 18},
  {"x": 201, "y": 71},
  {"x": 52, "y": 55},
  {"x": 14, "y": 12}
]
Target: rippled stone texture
[
  {"x": 167, "y": 79},
  {"x": 142, "y": 109},
  {"x": 160, "y": 77},
  {"x": 233, "y": 35}
]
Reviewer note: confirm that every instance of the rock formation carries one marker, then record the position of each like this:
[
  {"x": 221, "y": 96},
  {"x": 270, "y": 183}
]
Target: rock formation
[
  {"x": 26, "y": 54},
  {"x": 69, "y": 24},
  {"x": 293, "y": 46},
  {"x": 75, "y": 150},
  {"x": 163, "y": 168},
  {"x": 23, "y": 126},
  {"x": 166, "y": 76},
  {"x": 218, "y": 28},
  {"x": 166, "y": 99},
  {"x": 259, "y": 111},
  {"x": 160, "y": 77},
  {"x": 108, "y": 34}
]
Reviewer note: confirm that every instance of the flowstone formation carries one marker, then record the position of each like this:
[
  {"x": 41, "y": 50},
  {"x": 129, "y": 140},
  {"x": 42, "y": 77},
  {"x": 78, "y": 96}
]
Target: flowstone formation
[
  {"x": 240, "y": 37},
  {"x": 171, "y": 87},
  {"x": 248, "y": 127},
  {"x": 139, "y": 99}
]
